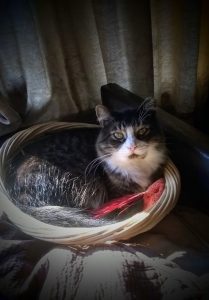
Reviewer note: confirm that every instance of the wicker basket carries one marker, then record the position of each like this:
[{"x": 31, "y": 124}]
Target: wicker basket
[{"x": 123, "y": 230}]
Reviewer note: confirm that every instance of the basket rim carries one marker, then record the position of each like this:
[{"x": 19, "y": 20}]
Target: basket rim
[{"x": 122, "y": 230}]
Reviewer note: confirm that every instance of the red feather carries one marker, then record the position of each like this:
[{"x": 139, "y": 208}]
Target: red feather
[
  {"x": 150, "y": 196},
  {"x": 153, "y": 193}
]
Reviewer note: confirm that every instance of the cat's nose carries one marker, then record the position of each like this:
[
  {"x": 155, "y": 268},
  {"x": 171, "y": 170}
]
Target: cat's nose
[{"x": 132, "y": 147}]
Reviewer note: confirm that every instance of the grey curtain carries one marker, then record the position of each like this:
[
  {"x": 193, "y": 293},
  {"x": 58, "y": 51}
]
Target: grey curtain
[{"x": 55, "y": 55}]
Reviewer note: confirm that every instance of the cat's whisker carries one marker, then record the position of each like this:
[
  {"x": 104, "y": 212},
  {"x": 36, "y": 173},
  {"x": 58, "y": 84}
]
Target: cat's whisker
[
  {"x": 92, "y": 164},
  {"x": 96, "y": 167},
  {"x": 89, "y": 166},
  {"x": 98, "y": 164}
]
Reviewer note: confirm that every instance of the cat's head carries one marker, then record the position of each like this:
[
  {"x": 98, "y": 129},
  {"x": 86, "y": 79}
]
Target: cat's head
[{"x": 129, "y": 137}]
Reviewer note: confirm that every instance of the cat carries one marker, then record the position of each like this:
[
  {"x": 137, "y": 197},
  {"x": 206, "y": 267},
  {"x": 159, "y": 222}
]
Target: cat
[{"x": 61, "y": 176}]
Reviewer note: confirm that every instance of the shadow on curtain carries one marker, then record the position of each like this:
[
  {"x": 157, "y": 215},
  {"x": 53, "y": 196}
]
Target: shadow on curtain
[{"x": 55, "y": 55}]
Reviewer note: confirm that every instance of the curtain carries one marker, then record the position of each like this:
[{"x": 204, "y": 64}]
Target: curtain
[{"x": 55, "y": 55}]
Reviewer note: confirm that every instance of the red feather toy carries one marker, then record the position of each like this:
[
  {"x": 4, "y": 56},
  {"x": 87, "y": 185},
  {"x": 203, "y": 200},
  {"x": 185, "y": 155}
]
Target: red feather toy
[{"x": 149, "y": 197}]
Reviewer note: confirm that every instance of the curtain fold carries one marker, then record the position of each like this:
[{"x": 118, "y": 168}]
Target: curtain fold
[
  {"x": 203, "y": 57},
  {"x": 55, "y": 55},
  {"x": 175, "y": 49}
]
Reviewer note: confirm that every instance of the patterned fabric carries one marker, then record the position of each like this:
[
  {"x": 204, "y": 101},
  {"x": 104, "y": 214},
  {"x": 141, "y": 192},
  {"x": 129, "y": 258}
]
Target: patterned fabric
[{"x": 169, "y": 262}]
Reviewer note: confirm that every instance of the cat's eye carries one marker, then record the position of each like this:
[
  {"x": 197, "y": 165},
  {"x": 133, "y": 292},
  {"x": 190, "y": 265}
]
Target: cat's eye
[
  {"x": 143, "y": 131},
  {"x": 118, "y": 135}
]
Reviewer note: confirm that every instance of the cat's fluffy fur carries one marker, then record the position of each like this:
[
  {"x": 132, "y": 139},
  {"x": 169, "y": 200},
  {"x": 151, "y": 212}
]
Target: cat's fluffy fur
[
  {"x": 84, "y": 168},
  {"x": 131, "y": 170}
]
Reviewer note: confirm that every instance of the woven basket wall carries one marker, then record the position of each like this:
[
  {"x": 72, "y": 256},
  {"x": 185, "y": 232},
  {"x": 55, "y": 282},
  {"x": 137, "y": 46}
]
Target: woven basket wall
[{"x": 140, "y": 222}]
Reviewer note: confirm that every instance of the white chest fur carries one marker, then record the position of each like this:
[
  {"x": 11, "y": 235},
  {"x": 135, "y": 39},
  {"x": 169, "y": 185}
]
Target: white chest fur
[{"x": 138, "y": 169}]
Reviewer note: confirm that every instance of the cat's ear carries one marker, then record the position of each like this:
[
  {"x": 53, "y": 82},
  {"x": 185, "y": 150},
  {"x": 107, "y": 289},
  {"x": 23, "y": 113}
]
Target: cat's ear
[
  {"x": 148, "y": 105},
  {"x": 103, "y": 115},
  {"x": 147, "y": 109}
]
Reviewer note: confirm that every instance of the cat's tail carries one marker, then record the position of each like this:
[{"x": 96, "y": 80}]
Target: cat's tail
[{"x": 65, "y": 216}]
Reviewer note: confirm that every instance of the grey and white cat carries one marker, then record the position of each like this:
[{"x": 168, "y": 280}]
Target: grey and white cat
[{"x": 58, "y": 177}]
